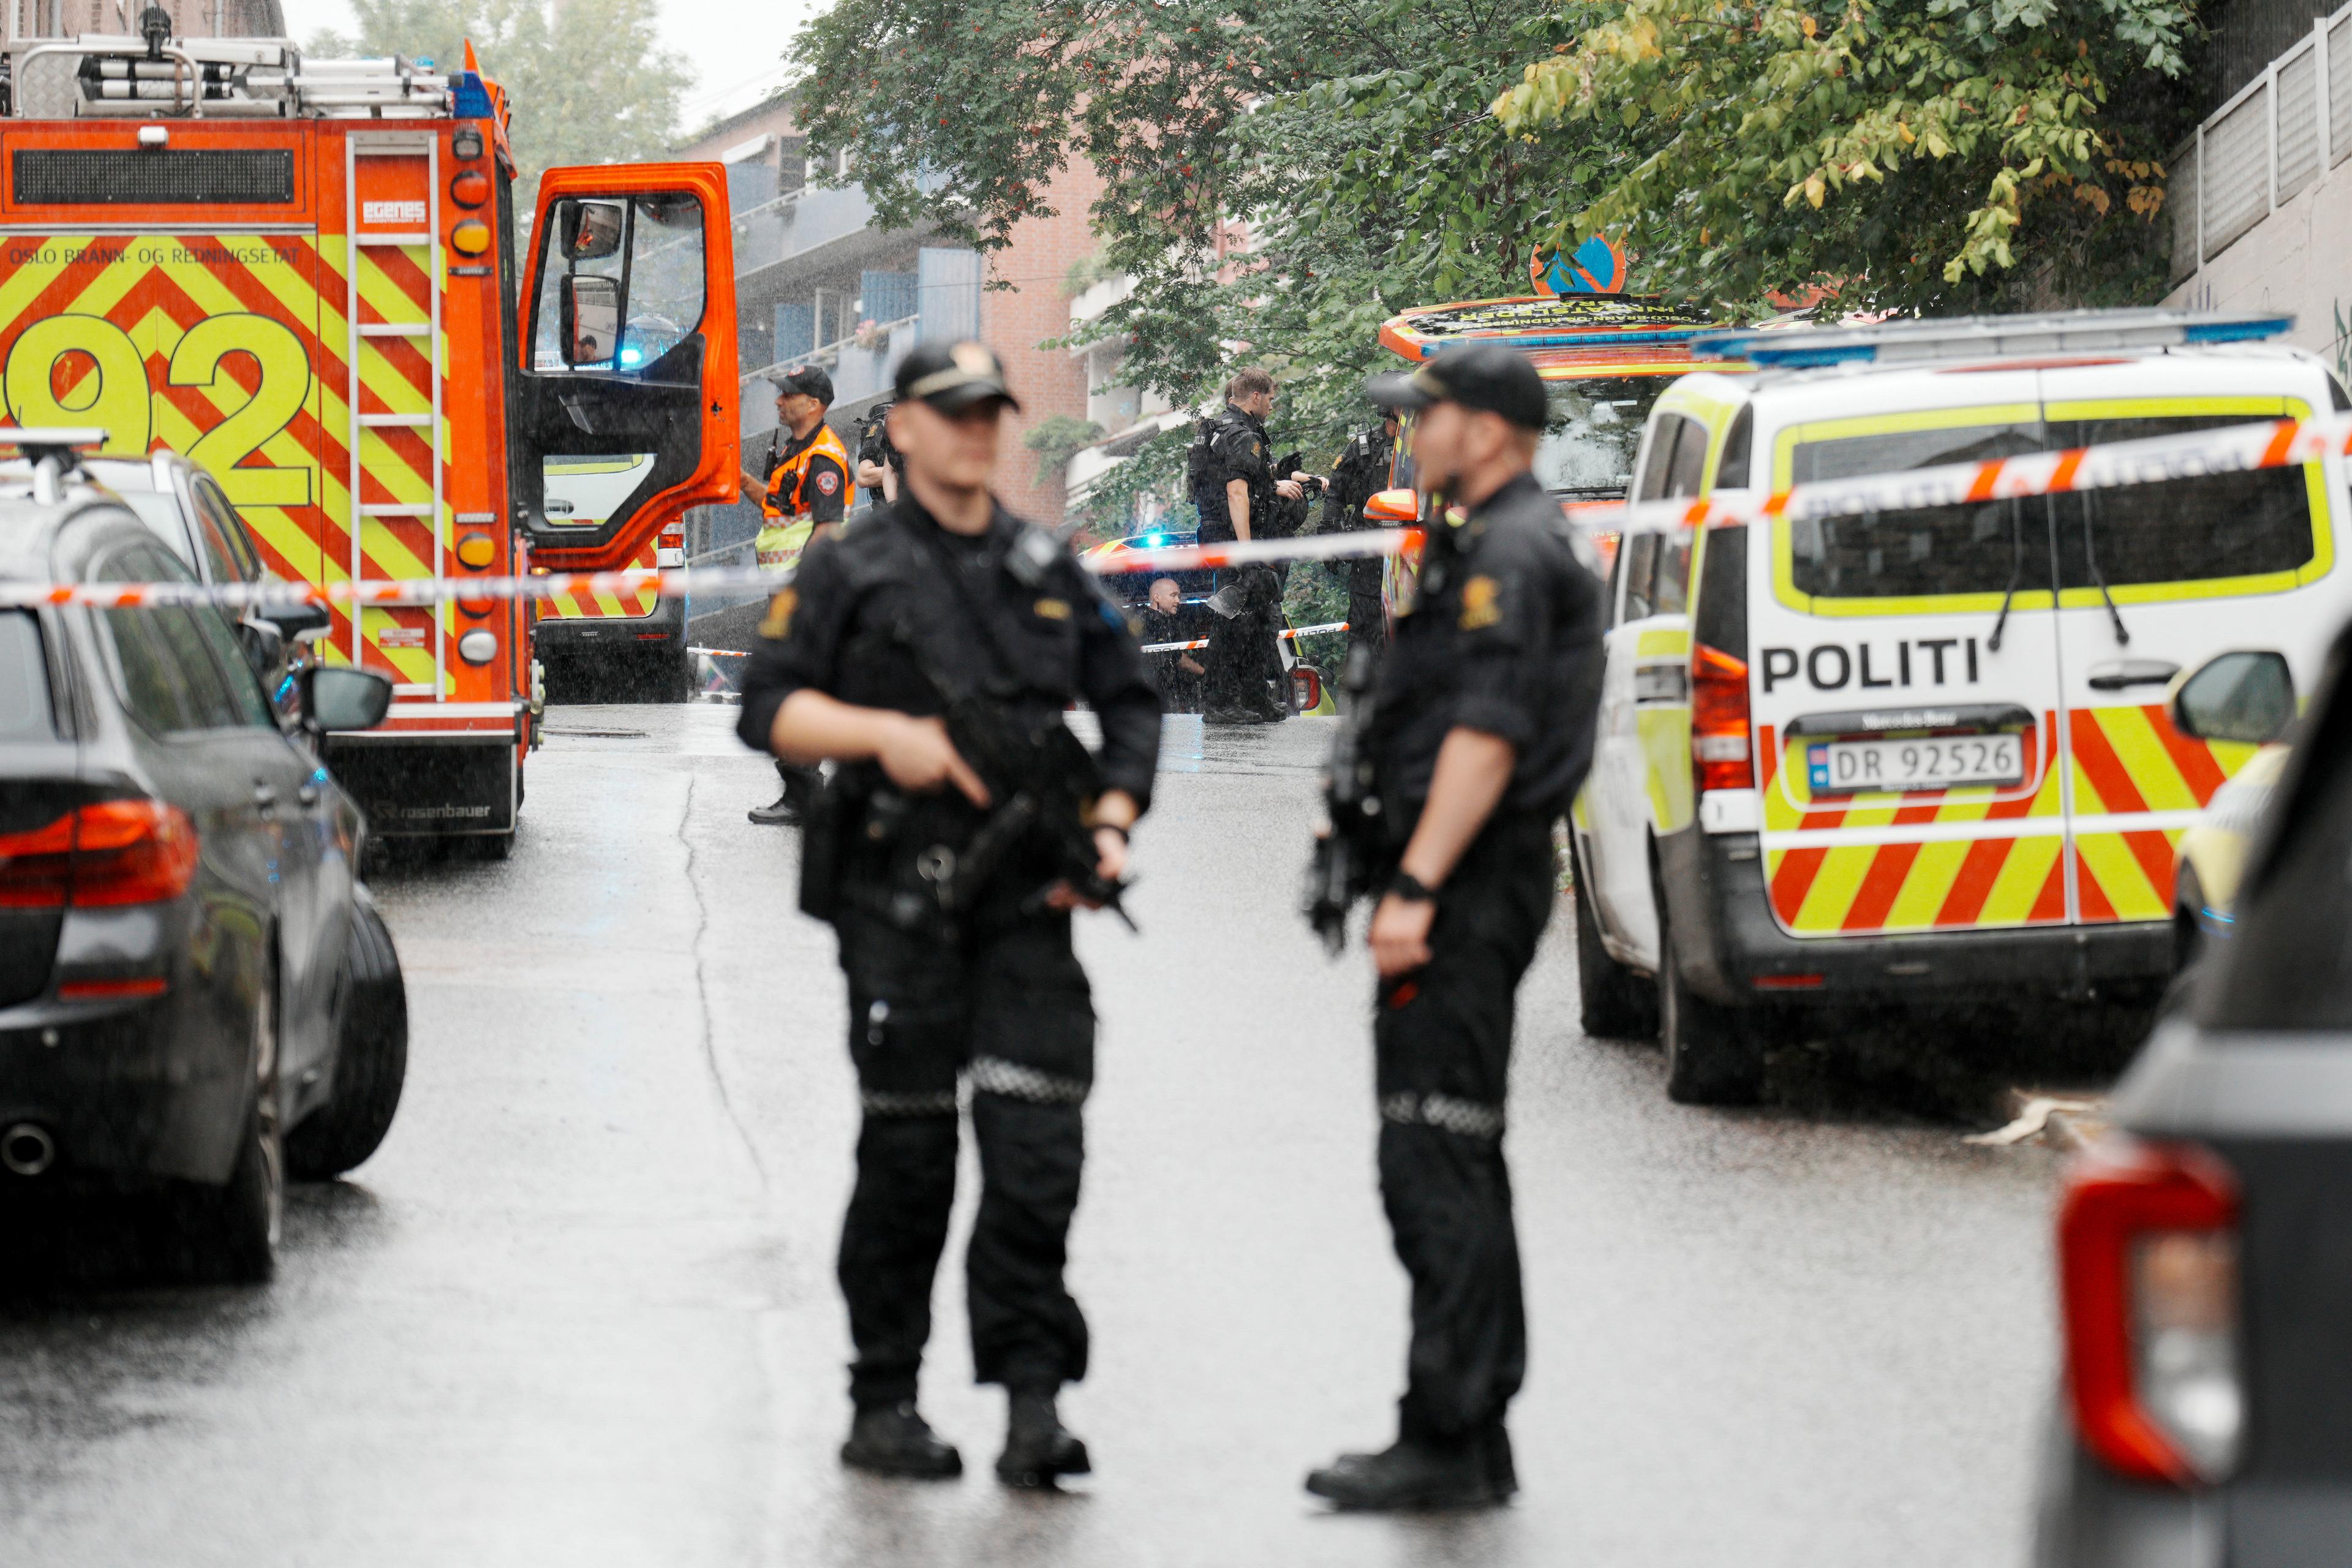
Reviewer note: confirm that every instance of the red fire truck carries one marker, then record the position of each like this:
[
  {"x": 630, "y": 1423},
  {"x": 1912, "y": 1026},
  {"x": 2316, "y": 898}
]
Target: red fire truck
[{"x": 303, "y": 275}]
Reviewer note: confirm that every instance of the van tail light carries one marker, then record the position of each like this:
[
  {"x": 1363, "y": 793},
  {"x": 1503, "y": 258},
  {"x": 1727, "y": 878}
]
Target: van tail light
[
  {"x": 114, "y": 853},
  {"x": 2148, "y": 1270},
  {"x": 1722, "y": 755},
  {"x": 669, "y": 548}
]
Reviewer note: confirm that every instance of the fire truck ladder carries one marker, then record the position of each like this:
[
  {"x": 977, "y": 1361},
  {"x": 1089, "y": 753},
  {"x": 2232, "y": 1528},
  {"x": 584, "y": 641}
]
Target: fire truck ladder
[{"x": 359, "y": 144}]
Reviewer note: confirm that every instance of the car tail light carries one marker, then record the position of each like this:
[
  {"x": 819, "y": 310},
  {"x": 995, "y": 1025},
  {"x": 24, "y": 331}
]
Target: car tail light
[
  {"x": 670, "y": 549},
  {"x": 116, "y": 852},
  {"x": 1721, "y": 752},
  {"x": 2148, "y": 1262},
  {"x": 35, "y": 867}
]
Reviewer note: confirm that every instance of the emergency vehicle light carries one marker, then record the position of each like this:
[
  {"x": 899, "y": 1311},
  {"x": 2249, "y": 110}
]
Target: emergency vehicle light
[{"x": 1986, "y": 337}]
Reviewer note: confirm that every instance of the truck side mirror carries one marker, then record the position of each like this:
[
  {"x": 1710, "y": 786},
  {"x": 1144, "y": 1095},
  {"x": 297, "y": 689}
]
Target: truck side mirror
[
  {"x": 591, "y": 230},
  {"x": 1395, "y": 506},
  {"x": 2246, "y": 696},
  {"x": 591, "y": 324}
]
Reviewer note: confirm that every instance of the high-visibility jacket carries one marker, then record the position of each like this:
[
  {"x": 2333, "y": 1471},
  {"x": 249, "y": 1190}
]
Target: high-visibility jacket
[{"x": 795, "y": 495}]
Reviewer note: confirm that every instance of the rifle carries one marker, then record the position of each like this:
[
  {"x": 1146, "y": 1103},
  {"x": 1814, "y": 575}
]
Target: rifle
[
  {"x": 1043, "y": 783},
  {"x": 1348, "y": 851}
]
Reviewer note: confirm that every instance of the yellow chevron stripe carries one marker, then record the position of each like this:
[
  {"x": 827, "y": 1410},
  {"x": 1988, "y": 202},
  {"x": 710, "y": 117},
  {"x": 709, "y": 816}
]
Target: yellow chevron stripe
[
  {"x": 2145, "y": 762},
  {"x": 2109, "y": 859},
  {"x": 1835, "y": 887},
  {"x": 1925, "y": 887},
  {"x": 2019, "y": 882},
  {"x": 389, "y": 302}
]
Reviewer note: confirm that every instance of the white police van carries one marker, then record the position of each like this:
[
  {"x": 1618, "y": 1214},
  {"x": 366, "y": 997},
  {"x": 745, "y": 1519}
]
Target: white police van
[{"x": 1922, "y": 756}]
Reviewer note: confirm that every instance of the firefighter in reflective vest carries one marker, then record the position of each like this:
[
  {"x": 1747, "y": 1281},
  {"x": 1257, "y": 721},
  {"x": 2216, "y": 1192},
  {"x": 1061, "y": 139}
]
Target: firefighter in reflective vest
[{"x": 806, "y": 493}]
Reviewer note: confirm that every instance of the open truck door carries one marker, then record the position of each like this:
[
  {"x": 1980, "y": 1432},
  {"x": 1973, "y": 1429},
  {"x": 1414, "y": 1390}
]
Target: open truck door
[{"x": 628, "y": 370}]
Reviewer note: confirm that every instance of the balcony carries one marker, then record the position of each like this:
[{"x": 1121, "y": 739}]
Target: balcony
[{"x": 817, "y": 227}]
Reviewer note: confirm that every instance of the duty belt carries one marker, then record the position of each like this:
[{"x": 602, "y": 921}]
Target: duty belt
[{"x": 1467, "y": 1118}]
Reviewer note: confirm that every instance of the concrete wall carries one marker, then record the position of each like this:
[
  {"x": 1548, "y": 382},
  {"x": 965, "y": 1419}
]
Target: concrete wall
[{"x": 2297, "y": 260}]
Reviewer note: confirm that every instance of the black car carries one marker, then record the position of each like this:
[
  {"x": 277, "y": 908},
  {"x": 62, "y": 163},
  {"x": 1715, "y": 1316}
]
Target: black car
[
  {"x": 196, "y": 996},
  {"x": 2205, "y": 1248}
]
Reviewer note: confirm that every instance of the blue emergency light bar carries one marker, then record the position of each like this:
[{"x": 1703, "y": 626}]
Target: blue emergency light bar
[{"x": 1985, "y": 337}]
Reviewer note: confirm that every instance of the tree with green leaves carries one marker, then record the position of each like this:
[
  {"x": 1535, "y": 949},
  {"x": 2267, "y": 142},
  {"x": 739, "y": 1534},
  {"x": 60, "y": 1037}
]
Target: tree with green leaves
[
  {"x": 1352, "y": 138},
  {"x": 1927, "y": 154},
  {"x": 1935, "y": 157},
  {"x": 587, "y": 82}
]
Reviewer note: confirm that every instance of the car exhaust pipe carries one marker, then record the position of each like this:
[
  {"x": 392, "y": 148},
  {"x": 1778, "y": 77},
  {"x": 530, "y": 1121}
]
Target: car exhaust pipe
[{"x": 27, "y": 1150}]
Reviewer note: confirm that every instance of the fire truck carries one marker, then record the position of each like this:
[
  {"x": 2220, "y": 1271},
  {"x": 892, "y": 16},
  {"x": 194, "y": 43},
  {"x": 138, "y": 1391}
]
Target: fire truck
[{"x": 303, "y": 275}]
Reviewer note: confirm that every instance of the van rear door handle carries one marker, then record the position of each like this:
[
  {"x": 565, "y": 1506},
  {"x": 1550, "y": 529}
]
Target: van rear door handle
[{"x": 2115, "y": 674}]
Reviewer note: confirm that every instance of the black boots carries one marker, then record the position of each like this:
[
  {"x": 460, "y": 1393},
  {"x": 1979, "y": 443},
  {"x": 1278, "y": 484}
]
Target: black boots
[
  {"x": 1475, "y": 1472},
  {"x": 893, "y": 1440},
  {"x": 1037, "y": 1447}
]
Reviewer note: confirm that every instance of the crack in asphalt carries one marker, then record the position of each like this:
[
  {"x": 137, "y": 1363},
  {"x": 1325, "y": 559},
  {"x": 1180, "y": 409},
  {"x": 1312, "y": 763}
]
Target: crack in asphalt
[{"x": 702, "y": 992}]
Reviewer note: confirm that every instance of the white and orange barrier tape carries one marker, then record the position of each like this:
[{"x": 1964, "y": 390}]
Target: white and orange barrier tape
[
  {"x": 1284, "y": 632},
  {"x": 2236, "y": 449}
]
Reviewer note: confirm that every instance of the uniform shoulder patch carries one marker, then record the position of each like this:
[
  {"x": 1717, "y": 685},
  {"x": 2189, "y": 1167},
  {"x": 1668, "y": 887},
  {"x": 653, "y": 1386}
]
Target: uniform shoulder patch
[
  {"x": 827, "y": 480},
  {"x": 1481, "y": 604},
  {"x": 779, "y": 618},
  {"x": 1053, "y": 609}
]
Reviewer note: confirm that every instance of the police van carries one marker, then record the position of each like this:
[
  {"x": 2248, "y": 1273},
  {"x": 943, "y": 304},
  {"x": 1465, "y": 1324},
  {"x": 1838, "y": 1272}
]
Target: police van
[{"x": 1922, "y": 756}]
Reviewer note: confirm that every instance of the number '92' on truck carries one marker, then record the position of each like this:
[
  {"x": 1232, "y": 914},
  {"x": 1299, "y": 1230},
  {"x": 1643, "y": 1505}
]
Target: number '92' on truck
[{"x": 309, "y": 277}]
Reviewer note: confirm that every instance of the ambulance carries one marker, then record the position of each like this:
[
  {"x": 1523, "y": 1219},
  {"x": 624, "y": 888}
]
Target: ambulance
[
  {"x": 304, "y": 275},
  {"x": 1923, "y": 757}
]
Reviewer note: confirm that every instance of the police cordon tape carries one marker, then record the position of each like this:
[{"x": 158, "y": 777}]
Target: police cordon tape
[
  {"x": 2235, "y": 448},
  {"x": 1284, "y": 632}
]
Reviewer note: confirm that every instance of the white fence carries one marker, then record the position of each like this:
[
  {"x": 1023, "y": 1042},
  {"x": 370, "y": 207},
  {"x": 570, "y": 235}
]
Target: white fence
[{"x": 2274, "y": 138}]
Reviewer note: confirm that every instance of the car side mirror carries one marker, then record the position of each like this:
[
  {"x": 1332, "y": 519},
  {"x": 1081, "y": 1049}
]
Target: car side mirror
[
  {"x": 2246, "y": 696},
  {"x": 1395, "y": 506},
  {"x": 263, "y": 643},
  {"x": 296, "y": 623},
  {"x": 591, "y": 319},
  {"x": 337, "y": 696},
  {"x": 591, "y": 230}
]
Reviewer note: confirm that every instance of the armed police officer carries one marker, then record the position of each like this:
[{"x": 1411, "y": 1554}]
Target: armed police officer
[
  {"x": 1359, "y": 475},
  {"x": 806, "y": 493},
  {"x": 1237, "y": 492},
  {"x": 1481, "y": 729},
  {"x": 930, "y": 651}
]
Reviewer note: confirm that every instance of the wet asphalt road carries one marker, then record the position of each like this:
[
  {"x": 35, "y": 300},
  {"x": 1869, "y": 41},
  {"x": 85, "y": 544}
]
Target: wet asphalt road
[{"x": 580, "y": 1309}]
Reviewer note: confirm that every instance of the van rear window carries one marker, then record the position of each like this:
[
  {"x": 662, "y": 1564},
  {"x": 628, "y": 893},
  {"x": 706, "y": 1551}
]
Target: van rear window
[
  {"x": 1918, "y": 550},
  {"x": 2189, "y": 531},
  {"x": 24, "y": 712},
  {"x": 2185, "y": 530}
]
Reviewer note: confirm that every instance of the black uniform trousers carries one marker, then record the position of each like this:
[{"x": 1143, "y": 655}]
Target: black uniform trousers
[
  {"x": 1244, "y": 659},
  {"x": 1442, "y": 1039},
  {"x": 1005, "y": 1004},
  {"x": 1367, "y": 618}
]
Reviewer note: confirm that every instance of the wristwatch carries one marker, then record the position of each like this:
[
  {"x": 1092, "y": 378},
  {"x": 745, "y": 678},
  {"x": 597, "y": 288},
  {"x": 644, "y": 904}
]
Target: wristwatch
[{"x": 1411, "y": 889}]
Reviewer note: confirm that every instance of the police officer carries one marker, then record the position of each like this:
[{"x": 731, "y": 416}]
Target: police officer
[
  {"x": 1359, "y": 474},
  {"x": 1481, "y": 731},
  {"x": 856, "y": 664},
  {"x": 1236, "y": 490},
  {"x": 806, "y": 493}
]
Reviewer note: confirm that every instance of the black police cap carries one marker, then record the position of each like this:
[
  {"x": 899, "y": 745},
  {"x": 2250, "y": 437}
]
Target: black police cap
[
  {"x": 809, "y": 380},
  {"x": 952, "y": 377},
  {"x": 1486, "y": 377}
]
